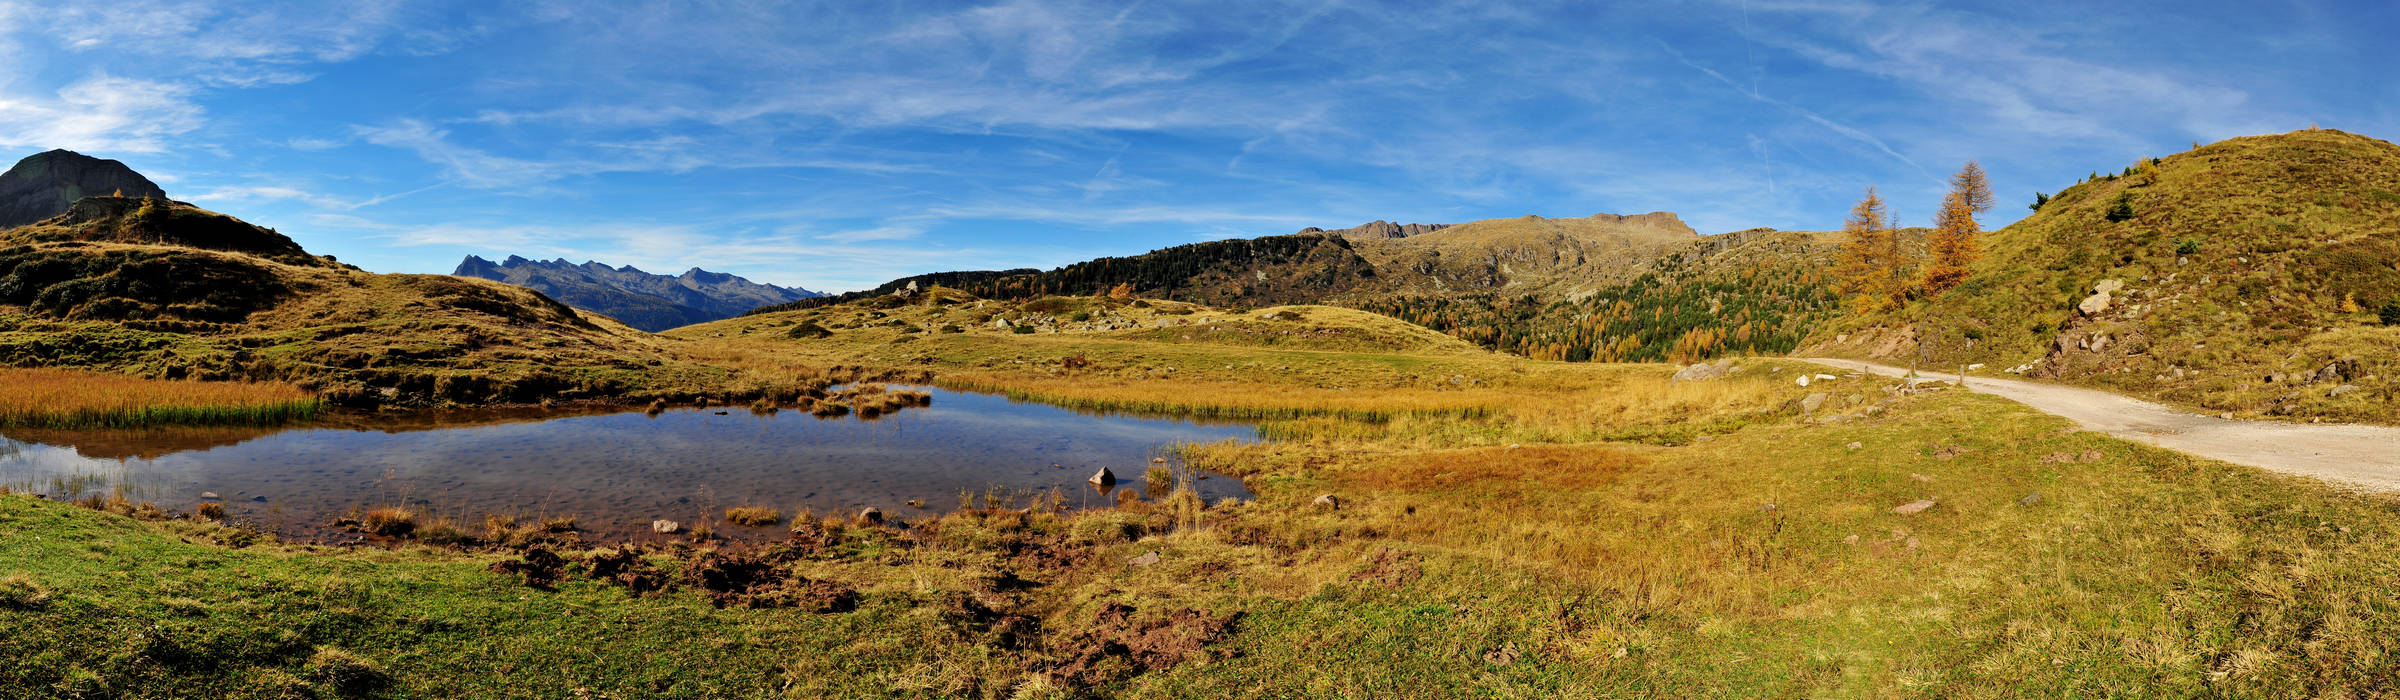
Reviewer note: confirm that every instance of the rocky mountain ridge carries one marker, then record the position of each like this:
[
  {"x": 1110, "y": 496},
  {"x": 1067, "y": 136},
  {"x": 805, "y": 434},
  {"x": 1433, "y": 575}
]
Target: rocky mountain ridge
[{"x": 651, "y": 302}]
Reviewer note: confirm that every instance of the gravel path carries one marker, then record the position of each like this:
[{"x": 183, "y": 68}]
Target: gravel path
[{"x": 2360, "y": 455}]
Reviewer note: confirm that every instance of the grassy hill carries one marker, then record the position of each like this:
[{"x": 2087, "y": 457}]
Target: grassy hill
[
  {"x": 162, "y": 289},
  {"x": 2245, "y": 278}
]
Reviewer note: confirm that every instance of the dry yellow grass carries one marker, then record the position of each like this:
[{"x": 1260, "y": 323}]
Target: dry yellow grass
[{"x": 65, "y": 398}]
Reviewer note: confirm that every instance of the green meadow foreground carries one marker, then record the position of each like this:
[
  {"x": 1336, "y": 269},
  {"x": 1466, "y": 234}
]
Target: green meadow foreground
[{"x": 1497, "y": 527}]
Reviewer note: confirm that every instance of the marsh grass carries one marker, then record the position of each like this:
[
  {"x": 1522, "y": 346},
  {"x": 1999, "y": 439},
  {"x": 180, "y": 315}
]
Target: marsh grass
[{"x": 75, "y": 399}]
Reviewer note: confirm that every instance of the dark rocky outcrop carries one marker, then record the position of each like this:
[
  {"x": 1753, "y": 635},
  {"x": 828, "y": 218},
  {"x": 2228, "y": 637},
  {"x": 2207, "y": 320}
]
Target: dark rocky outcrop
[
  {"x": 1379, "y": 229},
  {"x": 44, "y": 185},
  {"x": 640, "y": 299}
]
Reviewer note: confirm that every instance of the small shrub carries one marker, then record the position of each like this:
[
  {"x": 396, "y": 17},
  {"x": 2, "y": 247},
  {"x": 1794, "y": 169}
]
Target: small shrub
[
  {"x": 2122, "y": 209},
  {"x": 559, "y": 524},
  {"x": 2039, "y": 199},
  {"x": 1022, "y": 330},
  {"x": 211, "y": 510},
  {"x": 19, "y": 592},
  {"x": 2187, "y": 246},
  {"x": 2389, "y": 314},
  {"x": 390, "y": 521},
  {"x": 1081, "y": 316},
  {"x": 753, "y": 516}
]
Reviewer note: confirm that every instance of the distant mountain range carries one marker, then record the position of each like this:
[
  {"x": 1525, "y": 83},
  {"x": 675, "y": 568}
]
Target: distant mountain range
[
  {"x": 640, "y": 299},
  {"x": 44, "y": 184}
]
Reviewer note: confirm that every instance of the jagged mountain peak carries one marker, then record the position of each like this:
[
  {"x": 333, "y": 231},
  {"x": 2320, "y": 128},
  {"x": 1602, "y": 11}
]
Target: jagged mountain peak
[{"x": 647, "y": 301}]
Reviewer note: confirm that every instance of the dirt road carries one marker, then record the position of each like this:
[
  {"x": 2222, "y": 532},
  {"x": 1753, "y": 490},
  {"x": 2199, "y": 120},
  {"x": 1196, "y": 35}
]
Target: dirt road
[{"x": 2360, "y": 455}]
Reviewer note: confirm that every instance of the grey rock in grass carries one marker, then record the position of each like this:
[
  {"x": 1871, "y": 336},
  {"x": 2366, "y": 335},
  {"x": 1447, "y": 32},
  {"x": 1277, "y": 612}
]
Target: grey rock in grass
[
  {"x": 1812, "y": 402},
  {"x": 871, "y": 515},
  {"x": 1328, "y": 501},
  {"x": 1104, "y": 477},
  {"x": 1913, "y": 507},
  {"x": 665, "y": 527},
  {"x": 1146, "y": 559},
  {"x": 2030, "y": 499}
]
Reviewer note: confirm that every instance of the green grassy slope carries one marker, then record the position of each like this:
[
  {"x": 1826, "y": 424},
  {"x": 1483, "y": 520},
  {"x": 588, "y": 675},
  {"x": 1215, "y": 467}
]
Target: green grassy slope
[{"x": 2246, "y": 265}]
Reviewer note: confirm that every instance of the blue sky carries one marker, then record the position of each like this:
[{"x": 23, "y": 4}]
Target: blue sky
[{"x": 838, "y": 145}]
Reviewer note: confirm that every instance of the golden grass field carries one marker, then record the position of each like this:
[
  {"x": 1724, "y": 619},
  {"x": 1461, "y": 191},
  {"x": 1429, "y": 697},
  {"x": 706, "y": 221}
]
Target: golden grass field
[{"x": 66, "y": 398}]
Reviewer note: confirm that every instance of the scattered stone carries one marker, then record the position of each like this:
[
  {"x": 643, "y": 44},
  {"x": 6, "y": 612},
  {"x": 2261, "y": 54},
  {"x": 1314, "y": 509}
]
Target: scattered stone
[
  {"x": 870, "y": 515},
  {"x": 2090, "y": 456},
  {"x": 1854, "y": 446},
  {"x": 1104, "y": 477},
  {"x": 2108, "y": 286},
  {"x": 1698, "y": 372},
  {"x": 665, "y": 527},
  {"x": 1768, "y": 508},
  {"x": 208, "y": 495},
  {"x": 2093, "y": 305},
  {"x": 2228, "y": 415},
  {"x": 1158, "y": 460},
  {"x": 1812, "y": 402},
  {"x": 1975, "y": 366},
  {"x": 1913, "y": 507},
  {"x": 1146, "y": 559},
  {"x": 1853, "y": 539},
  {"x": 2030, "y": 499},
  {"x": 2343, "y": 389},
  {"x": 1328, "y": 501},
  {"x": 1826, "y": 377},
  {"x": 1920, "y": 477},
  {"x": 1802, "y": 381}
]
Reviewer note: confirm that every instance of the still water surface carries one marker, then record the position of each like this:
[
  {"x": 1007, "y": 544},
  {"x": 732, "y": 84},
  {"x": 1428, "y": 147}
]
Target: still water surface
[{"x": 617, "y": 472}]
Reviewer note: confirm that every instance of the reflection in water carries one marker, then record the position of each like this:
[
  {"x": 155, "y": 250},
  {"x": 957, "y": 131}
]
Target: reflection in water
[{"x": 616, "y": 471}]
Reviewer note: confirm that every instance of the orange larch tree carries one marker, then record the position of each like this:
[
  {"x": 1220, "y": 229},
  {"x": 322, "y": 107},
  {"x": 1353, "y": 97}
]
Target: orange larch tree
[
  {"x": 1871, "y": 269},
  {"x": 1952, "y": 244}
]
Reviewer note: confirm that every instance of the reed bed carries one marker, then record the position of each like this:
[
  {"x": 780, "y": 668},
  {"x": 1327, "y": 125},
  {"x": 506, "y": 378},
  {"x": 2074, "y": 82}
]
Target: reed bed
[{"x": 75, "y": 399}]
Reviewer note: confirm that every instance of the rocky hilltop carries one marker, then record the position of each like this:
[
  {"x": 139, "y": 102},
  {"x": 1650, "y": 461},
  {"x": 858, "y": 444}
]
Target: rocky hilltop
[
  {"x": 650, "y": 302},
  {"x": 45, "y": 184}
]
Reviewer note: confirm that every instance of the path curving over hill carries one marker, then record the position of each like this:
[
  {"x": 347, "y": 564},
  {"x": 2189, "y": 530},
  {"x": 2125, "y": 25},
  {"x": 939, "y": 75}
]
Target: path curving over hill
[{"x": 2366, "y": 456}]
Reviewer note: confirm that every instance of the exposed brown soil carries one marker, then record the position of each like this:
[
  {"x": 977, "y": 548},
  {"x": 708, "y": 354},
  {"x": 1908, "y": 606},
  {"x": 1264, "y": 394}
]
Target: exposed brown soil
[
  {"x": 754, "y": 581},
  {"x": 541, "y": 568},
  {"x": 1390, "y": 567},
  {"x": 1119, "y": 645}
]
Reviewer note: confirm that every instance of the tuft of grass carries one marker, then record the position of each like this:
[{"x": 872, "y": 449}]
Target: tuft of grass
[
  {"x": 344, "y": 672},
  {"x": 390, "y": 521},
  {"x": 211, "y": 510},
  {"x": 20, "y": 592},
  {"x": 753, "y": 516}
]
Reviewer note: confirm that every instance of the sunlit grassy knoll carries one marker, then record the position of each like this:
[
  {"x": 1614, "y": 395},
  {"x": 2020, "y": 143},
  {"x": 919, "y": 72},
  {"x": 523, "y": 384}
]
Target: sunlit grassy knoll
[
  {"x": 65, "y": 399},
  {"x": 2244, "y": 263}
]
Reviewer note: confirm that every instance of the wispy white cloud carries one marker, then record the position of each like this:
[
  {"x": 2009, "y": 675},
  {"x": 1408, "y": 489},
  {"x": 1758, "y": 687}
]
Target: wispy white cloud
[{"x": 101, "y": 114}]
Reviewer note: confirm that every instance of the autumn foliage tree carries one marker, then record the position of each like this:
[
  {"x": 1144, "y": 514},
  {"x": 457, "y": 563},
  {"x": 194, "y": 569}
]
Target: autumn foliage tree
[
  {"x": 1951, "y": 245},
  {"x": 1872, "y": 270},
  {"x": 1970, "y": 182}
]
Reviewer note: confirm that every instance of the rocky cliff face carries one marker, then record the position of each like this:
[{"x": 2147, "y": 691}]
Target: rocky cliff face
[
  {"x": 643, "y": 300},
  {"x": 44, "y": 185}
]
